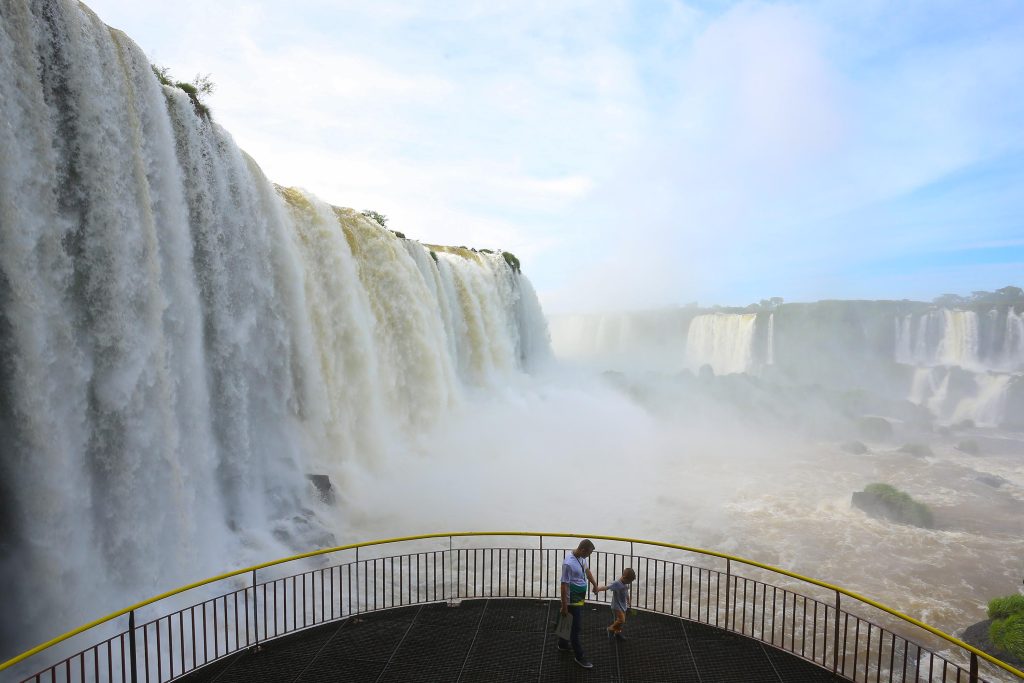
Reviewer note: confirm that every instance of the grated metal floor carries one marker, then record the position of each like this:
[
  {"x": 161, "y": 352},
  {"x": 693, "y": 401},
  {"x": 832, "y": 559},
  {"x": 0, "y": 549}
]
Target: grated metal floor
[{"x": 508, "y": 640}]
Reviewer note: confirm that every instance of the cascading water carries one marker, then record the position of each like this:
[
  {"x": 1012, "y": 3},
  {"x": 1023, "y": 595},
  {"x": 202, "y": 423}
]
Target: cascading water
[
  {"x": 942, "y": 341},
  {"x": 723, "y": 341},
  {"x": 183, "y": 344}
]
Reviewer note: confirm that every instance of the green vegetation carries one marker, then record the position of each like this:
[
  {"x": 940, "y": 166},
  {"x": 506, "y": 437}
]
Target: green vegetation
[
  {"x": 1007, "y": 628},
  {"x": 1001, "y": 608},
  {"x": 1006, "y": 295},
  {"x": 196, "y": 89},
  {"x": 889, "y": 502},
  {"x": 378, "y": 218},
  {"x": 1008, "y": 634},
  {"x": 433, "y": 255},
  {"x": 511, "y": 260},
  {"x": 399, "y": 235}
]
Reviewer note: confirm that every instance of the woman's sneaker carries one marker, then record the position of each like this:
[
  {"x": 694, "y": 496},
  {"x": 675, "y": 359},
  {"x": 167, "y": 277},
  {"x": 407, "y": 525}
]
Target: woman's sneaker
[{"x": 584, "y": 663}]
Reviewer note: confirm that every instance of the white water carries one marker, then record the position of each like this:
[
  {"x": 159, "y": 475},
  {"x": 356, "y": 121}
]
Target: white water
[
  {"x": 183, "y": 343},
  {"x": 942, "y": 339},
  {"x": 955, "y": 338},
  {"x": 723, "y": 341},
  {"x": 661, "y": 341}
]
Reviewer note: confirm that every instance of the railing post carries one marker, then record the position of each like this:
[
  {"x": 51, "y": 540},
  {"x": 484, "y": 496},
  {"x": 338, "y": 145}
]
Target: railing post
[
  {"x": 255, "y": 615},
  {"x": 131, "y": 646},
  {"x": 835, "y": 639},
  {"x": 974, "y": 668},
  {"x": 542, "y": 594},
  {"x": 728, "y": 590}
]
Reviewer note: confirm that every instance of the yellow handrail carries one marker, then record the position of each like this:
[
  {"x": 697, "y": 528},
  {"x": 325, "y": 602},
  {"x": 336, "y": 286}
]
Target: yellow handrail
[{"x": 725, "y": 556}]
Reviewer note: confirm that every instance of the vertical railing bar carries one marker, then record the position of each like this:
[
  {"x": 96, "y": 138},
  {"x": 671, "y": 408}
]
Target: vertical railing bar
[
  {"x": 835, "y": 642},
  {"x": 803, "y": 629},
  {"x": 867, "y": 655},
  {"x": 814, "y": 634},
  {"x": 764, "y": 606},
  {"x": 892, "y": 654},
  {"x": 846, "y": 630},
  {"x": 747, "y": 584},
  {"x": 878, "y": 665},
  {"x": 170, "y": 649},
  {"x": 775, "y": 610},
  {"x": 782, "y": 628},
  {"x": 145, "y": 648},
  {"x": 689, "y": 595},
  {"x": 728, "y": 589},
  {"x": 131, "y": 645}
]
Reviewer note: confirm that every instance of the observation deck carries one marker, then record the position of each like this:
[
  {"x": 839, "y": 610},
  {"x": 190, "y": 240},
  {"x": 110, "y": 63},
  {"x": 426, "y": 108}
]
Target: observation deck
[
  {"x": 482, "y": 606},
  {"x": 498, "y": 640}
]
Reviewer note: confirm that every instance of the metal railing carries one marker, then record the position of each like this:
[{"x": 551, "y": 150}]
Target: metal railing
[{"x": 853, "y": 636}]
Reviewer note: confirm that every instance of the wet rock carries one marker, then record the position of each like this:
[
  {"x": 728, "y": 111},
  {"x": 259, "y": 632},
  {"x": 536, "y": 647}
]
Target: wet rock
[
  {"x": 977, "y": 635},
  {"x": 991, "y": 480},
  {"x": 875, "y": 428},
  {"x": 969, "y": 446},
  {"x": 918, "y": 450},
  {"x": 887, "y": 502},
  {"x": 323, "y": 486},
  {"x": 855, "y": 447}
]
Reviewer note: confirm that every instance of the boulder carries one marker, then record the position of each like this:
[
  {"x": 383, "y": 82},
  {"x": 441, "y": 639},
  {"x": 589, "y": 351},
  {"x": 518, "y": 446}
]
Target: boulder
[
  {"x": 875, "y": 428},
  {"x": 969, "y": 446},
  {"x": 991, "y": 480},
  {"x": 887, "y": 502},
  {"x": 918, "y": 450},
  {"x": 855, "y": 447},
  {"x": 323, "y": 486}
]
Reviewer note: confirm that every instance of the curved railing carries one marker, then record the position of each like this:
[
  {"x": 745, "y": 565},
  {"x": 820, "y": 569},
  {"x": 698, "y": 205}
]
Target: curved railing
[{"x": 839, "y": 630}]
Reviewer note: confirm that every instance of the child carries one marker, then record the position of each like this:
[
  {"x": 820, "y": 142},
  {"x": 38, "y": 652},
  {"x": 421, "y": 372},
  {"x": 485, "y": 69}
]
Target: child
[{"x": 620, "y": 600}]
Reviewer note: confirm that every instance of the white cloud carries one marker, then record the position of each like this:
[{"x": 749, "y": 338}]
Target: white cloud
[{"x": 690, "y": 154}]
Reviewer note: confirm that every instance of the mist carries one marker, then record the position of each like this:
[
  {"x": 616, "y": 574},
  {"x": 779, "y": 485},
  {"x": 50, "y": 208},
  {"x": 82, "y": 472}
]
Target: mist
[{"x": 631, "y": 431}]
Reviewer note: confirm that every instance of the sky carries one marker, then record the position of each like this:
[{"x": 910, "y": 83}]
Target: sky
[{"x": 645, "y": 154}]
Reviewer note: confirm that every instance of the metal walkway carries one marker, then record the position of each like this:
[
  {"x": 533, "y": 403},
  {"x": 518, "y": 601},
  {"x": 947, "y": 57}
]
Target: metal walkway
[{"x": 508, "y": 640}]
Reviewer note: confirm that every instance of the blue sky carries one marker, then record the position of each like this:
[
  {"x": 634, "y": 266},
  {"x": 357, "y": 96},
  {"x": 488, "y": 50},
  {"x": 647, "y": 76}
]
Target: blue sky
[{"x": 641, "y": 154}]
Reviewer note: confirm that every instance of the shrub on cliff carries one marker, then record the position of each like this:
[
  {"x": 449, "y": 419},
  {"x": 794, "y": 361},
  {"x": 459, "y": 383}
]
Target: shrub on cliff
[
  {"x": 378, "y": 218},
  {"x": 511, "y": 260},
  {"x": 196, "y": 89}
]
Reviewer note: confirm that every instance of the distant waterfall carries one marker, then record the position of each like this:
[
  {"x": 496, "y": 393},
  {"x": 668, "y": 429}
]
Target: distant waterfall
[
  {"x": 182, "y": 343},
  {"x": 994, "y": 341},
  {"x": 976, "y": 354},
  {"x": 725, "y": 341},
  {"x": 953, "y": 395}
]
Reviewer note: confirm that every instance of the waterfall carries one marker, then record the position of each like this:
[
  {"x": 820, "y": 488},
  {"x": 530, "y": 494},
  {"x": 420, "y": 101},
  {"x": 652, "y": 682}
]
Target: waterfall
[
  {"x": 725, "y": 341},
  {"x": 182, "y": 343},
  {"x": 1013, "y": 341},
  {"x": 954, "y": 337},
  {"x": 987, "y": 347}
]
